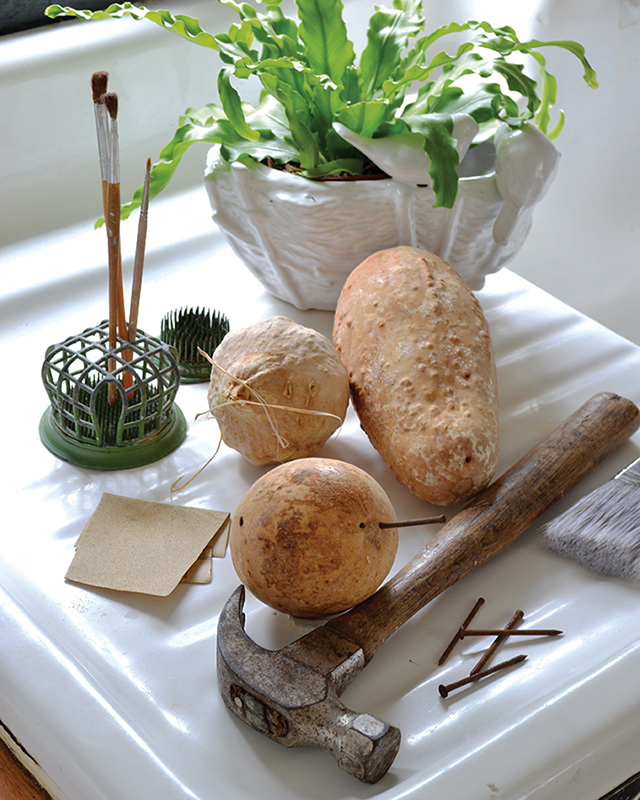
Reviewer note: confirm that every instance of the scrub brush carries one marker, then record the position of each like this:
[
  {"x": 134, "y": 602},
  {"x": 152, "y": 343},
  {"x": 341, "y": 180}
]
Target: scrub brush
[{"x": 187, "y": 330}]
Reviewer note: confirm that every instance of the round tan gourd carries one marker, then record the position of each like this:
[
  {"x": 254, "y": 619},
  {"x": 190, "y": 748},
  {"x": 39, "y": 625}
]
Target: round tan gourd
[
  {"x": 273, "y": 364},
  {"x": 305, "y": 539},
  {"x": 417, "y": 349}
]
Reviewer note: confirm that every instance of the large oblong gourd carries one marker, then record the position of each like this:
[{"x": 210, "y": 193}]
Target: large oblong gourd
[{"x": 422, "y": 374}]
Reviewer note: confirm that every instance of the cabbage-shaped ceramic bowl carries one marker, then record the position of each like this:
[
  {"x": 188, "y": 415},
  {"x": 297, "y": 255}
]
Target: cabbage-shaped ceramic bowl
[{"x": 301, "y": 238}]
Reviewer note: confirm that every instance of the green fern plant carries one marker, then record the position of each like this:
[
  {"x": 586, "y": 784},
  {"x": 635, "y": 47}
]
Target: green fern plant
[{"x": 311, "y": 79}]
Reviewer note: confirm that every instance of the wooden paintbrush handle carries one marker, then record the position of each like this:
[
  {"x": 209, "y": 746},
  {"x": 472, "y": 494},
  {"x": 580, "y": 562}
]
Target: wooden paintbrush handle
[
  {"x": 112, "y": 222},
  {"x": 494, "y": 518}
]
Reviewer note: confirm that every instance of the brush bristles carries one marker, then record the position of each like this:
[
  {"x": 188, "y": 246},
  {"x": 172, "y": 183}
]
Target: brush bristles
[
  {"x": 110, "y": 99},
  {"x": 99, "y": 87},
  {"x": 601, "y": 531},
  {"x": 99, "y": 81}
]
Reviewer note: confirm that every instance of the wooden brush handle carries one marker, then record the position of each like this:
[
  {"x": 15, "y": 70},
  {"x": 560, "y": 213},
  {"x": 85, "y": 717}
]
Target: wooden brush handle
[
  {"x": 112, "y": 222},
  {"x": 494, "y": 518}
]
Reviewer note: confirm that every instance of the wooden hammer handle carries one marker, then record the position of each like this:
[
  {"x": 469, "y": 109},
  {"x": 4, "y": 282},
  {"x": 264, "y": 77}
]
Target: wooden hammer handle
[{"x": 494, "y": 518}]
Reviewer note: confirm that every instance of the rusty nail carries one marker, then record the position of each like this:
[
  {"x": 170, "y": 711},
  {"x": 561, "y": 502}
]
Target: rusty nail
[
  {"x": 406, "y": 523},
  {"x": 457, "y": 637},
  {"x": 444, "y": 690},
  {"x": 464, "y": 632},
  {"x": 515, "y": 619}
]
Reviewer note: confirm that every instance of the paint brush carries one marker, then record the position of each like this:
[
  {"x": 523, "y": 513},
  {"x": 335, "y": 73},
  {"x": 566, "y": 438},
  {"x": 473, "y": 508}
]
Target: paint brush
[
  {"x": 138, "y": 263},
  {"x": 602, "y": 530},
  {"x": 110, "y": 100},
  {"x": 112, "y": 220}
]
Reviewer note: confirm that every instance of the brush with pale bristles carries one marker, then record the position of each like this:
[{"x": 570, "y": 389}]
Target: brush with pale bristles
[
  {"x": 112, "y": 221},
  {"x": 110, "y": 100},
  {"x": 99, "y": 81},
  {"x": 602, "y": 530}
]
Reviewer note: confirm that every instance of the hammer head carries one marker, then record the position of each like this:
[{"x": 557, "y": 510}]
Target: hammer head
[{"x": 291, "y": 695}]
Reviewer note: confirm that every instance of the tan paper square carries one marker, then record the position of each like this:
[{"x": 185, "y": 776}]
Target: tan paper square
[
  {"x": 220, "y": 543},
  {"x": 139, "y": 546},
  {"x": 200, "y": 571}
]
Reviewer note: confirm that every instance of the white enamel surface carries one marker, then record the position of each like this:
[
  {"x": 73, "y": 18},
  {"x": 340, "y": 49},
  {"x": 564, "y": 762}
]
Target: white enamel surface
[
  {"x": 115, "y": 696},
  {"x": 92, "y": 678}
]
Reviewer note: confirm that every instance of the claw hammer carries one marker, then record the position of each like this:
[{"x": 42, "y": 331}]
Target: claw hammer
[{"x": 292, "y": 695}]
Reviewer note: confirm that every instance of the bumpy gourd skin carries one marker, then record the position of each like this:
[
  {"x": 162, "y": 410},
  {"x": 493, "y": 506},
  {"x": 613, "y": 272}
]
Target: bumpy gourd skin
[
  {"x": 273, "y": 364},
  {"x": 422, "y": 374},
  {"x": 306, "y": 538}
]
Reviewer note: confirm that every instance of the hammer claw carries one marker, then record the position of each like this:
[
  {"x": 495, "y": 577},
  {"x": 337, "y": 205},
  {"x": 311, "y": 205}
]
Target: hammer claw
[{"x": 296, "y": 704}]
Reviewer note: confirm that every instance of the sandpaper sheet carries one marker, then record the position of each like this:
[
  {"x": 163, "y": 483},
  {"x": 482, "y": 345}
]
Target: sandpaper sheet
[{"x": 138, "y": 546}]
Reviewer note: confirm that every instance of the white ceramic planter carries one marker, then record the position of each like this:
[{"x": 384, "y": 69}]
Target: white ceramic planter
[{"x": 302, "y": 238}]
